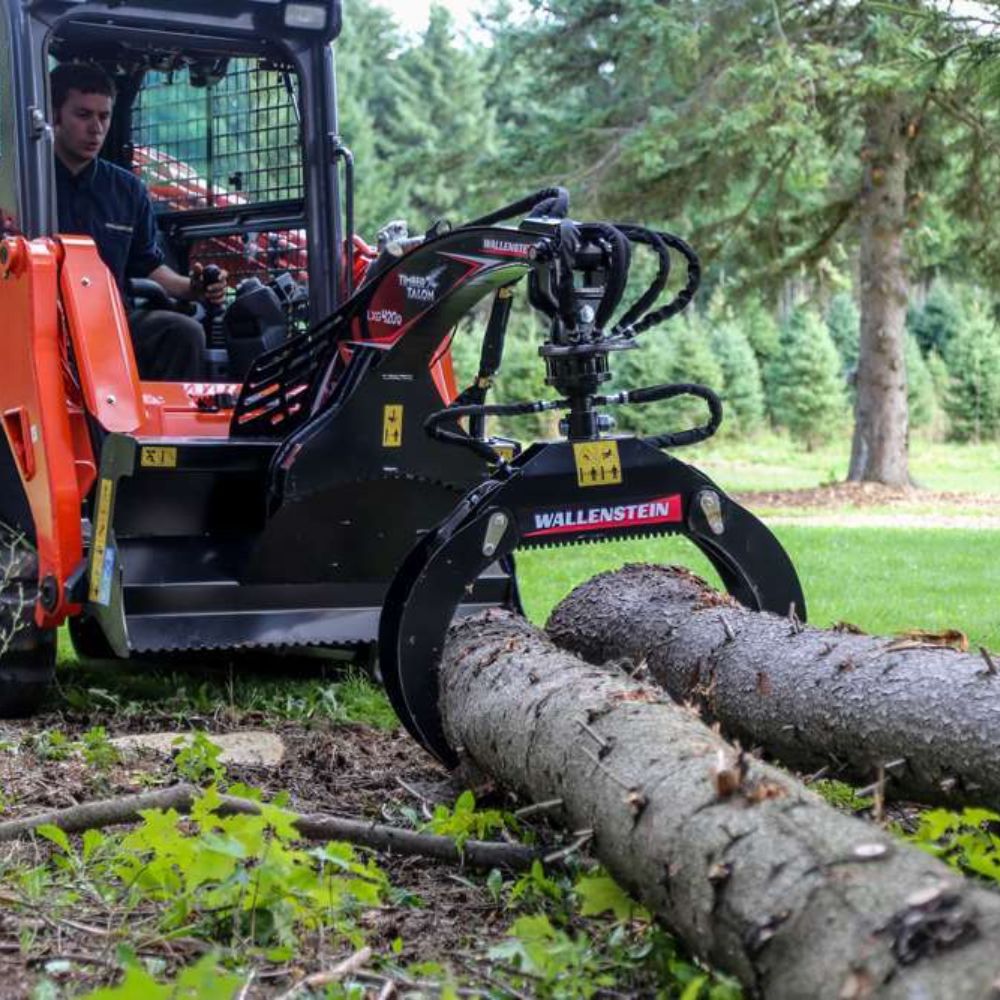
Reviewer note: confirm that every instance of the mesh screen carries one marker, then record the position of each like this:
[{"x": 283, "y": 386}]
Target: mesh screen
[
  {"x": 235, "y": 142},
  {"x": 231, "y": 143}
]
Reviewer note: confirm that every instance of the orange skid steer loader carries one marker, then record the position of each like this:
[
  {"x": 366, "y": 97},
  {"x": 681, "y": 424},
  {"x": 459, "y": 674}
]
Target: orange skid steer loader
[{"x": 328, "y": 484}]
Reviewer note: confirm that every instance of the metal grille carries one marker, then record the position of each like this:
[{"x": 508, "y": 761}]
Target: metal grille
[{"x": 233, "y": 142}]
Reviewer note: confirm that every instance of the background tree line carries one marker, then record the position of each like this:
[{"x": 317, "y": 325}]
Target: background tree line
[{"x": 834, "y": 163}]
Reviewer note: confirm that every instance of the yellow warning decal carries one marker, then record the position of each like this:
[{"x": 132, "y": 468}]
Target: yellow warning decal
[
  {"x": 597, "y": 463},
  {"x": 158, "y": 457},
  {"x": 392, "y": 426},
  {"x": 100, "y": 539}
]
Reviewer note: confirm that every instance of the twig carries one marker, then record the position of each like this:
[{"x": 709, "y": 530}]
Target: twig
[
  {"x": 245, "y": 988},
  {"x": 727, "y": 628},
  {"x": 538, "y": 807},
  {"x": 585, "y": 837},
  {"x": 991, "y": 667},
  {"x": 594, "y": 735},
  {"x": 318, "y": 826},
  {"x": 425, "y": 803},
  {"x": 349, "y": 966}
]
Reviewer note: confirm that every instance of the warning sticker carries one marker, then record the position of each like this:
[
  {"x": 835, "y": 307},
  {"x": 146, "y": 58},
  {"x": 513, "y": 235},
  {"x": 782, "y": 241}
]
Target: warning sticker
[
  {"x": 100, "y": 540},
  {"x": 597, "y": 463},
  {"x": 392, "y": 426},
  {"x": 156, "y": 457}
]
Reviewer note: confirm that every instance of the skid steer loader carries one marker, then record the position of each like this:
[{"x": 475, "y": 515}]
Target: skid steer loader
[{"x": 330, "y": 486}]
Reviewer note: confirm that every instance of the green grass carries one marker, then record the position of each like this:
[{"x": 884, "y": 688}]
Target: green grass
[
  {"x": 300, "y": 689},
  {"x": 883, "y": 580},
  {"x": 775, "y": 462}
]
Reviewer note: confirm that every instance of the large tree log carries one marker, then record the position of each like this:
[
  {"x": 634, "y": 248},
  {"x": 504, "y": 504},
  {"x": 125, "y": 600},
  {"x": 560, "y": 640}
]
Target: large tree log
[
  {"x": 928, "y": 716},
  {"x": 756, "y": 873}
]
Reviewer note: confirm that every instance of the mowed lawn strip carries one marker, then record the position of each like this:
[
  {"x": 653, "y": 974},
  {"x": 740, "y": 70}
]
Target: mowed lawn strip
[{"x": 884, "y": 580}]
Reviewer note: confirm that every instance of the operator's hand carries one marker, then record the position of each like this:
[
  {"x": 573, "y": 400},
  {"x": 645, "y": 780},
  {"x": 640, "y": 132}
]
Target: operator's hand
[{"x": 214, "y": 294}]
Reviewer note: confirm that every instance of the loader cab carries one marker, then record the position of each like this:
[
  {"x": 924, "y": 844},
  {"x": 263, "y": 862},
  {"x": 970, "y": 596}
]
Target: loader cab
[{"x": 226, "y": 111}]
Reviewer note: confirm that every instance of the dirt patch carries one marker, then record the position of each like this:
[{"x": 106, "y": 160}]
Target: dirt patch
[
  {"x": 437, "y": 911},
  {"x": 875, "y": 506},
  {"x": 867, "y": 495}
]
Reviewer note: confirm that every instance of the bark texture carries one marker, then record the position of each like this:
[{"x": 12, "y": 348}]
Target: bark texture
[
  {"x": 757, "y": 874},
  {"x": 929, "y": 716},
  {"x": 879, "y": 451}
]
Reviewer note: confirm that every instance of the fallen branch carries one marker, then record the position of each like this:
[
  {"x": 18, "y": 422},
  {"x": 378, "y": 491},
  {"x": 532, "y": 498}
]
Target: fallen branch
[
  {"x": 929, "y": 715},
  {"x": 478, "y": 854},
  {"x": 758, "y": 875},
  {"x": 342, "y": 970}
]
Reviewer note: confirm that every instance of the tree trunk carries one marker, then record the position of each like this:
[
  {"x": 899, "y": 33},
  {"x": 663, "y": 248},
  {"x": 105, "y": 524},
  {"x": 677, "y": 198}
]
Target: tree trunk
[
  {"x": 881, "y": 430},
  {"x": 757, "y": 874},
  {"x": 928, "y": 715}
]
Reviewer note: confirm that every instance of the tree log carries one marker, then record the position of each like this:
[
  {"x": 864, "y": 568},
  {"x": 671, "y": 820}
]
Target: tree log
[
  {"x": 926, "y": 717},
  {"x": 757, "y": 874}
]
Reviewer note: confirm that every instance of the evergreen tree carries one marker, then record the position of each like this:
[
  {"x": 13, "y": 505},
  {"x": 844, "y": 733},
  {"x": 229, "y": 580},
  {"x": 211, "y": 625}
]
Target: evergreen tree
[
  {"x": 761, "y": 329},
  {"x": 775, "y": 136},
  {"x": 433, "y": 125},
  {"x": 743, "y": 390},
  {"x": 843, "y": 320},
  {"x": 972, "y": 401},
  {"x": 936, "y": 323},
  {"x": 808, "y": 389},
  {"x": 688, "y": 341},
  {"x": 366, "y": 68},
  {"x": 920, "y": 393}
]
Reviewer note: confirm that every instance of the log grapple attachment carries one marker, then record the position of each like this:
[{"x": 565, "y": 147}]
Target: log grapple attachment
[{"x": 588, "y": 486}]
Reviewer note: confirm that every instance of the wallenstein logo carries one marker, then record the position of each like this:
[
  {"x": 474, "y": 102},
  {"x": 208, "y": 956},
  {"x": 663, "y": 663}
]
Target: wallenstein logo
[
  {"x": 661, "y": 510},
  {"x": 507, "y": 248},
  {"x": 387, "y": 316}
]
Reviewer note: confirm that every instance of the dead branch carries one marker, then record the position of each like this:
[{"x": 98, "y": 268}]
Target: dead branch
[{"x": 477, "y": 854}]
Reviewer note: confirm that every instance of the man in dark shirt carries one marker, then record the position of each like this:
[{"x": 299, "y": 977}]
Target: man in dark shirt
[{"x": 111, "y": 205}]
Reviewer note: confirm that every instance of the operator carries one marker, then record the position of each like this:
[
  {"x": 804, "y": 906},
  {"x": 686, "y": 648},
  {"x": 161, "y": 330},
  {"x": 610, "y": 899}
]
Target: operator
[{"x": 111, "y": 205}]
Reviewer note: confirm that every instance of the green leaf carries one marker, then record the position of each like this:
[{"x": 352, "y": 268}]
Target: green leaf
[
  {"x": 602, "y": 894},
  {"x": 693, "y": 989},
  {"x": 58, "y": 837}
]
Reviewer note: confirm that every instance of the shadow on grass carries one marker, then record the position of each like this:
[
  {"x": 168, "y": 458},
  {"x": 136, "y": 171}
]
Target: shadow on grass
[{"x": 233, "y": 687}]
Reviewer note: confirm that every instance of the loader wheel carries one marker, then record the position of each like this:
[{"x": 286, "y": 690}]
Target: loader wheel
[
  {"x": 88, "y": 640},
  {"x": 27, "y": 652}
]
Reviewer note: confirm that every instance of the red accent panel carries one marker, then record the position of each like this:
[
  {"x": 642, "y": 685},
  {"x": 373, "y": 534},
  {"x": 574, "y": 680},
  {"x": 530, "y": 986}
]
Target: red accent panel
[{"x": 102, "y": 343}]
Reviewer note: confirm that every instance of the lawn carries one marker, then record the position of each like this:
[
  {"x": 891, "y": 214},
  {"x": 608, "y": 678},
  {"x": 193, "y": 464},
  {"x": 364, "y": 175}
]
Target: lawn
[
  {"x": 883, "y": 580},
  {"x": 775, "y": 462}
]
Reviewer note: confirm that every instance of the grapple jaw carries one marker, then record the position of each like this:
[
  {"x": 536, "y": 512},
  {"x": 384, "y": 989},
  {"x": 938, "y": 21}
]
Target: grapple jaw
[{"x": 556, "y": 494}]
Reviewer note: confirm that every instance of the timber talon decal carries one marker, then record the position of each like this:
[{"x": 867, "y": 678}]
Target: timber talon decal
[
  {"x": 422, "y": 287},
  {"x": 565, "y": 520}
]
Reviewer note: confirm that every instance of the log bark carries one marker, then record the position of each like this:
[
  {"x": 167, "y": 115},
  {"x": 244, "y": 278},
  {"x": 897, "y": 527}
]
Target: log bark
[
  {"x": 757, "y": 874},
  {"x": 928, "y": 716},
  {"x": 478, "y": 854}
]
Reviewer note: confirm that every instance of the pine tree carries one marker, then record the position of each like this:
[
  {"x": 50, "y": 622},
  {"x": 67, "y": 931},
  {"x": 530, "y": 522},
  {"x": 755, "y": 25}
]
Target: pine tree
[
  {"x": 433, "y": 125},
  {"x": 843, "y": 320},
  {"x": 808, "y": 389},
  {"x": 920, "y": 394},
  {"x": 972, "y": 401},
  {"x": 937, "y": 322},
  {"x": 743, "y": 390}
]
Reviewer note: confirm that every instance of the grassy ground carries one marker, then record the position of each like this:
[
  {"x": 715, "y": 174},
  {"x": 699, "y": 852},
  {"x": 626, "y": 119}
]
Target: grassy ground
[
  {"x": 884, "y": 581},
  {"x": 71, "y": 919},
  {"x": 773, "y": 462}
]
